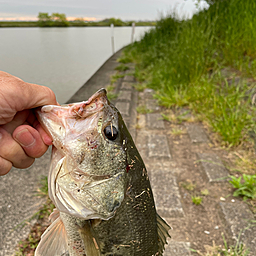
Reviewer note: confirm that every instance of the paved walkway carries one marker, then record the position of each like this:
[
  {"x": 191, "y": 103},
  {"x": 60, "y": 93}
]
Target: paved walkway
[
  {"x": 176, "y": 165},
  {"x": 171, "y": 160}
]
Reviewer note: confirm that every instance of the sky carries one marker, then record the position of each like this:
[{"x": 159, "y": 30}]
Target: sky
[{"x": 95, "y": 9}]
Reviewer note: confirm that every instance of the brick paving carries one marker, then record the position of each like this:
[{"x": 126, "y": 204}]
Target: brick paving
[{"x": 151, "y": 138}]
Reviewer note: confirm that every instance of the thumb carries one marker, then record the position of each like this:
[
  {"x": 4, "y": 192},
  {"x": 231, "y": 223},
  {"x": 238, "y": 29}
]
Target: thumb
[{"x": 36, "y": 96}]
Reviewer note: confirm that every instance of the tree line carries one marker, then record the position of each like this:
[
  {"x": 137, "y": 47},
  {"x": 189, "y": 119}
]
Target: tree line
[{"x": 60, "y": 20}]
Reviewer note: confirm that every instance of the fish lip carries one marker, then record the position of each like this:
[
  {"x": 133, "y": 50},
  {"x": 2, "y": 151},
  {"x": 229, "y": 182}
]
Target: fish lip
[{"x": 99, "y": 93}]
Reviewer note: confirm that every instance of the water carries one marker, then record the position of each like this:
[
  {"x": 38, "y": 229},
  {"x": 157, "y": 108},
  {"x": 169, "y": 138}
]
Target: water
[{"x": 60, "y": 58}]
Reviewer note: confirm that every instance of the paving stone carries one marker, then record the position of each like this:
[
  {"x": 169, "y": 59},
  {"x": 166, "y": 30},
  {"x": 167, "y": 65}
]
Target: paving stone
[
  {"x": 133, "y": 114},
  {"x": 126, "y": 86},
  {"x": 196, "y": 133},
  {"x": 141, "y": 121},
  {"x": 155, "y": 121},
  {"x": 236, "y": 218},
  {"x": 124, "y": 96},
  {"x": 152, "y": 105},
  {"x": 128, "y": 78},
  {"x": 167, "y": 200},
  {"x": 148, "y": 93},
  {"x": 166, "y": 166},
  {"x": 127, "y": 121},
  {"x": 213, "y": 167},
  {"x": 158, "y": 146},
  {"x": 177, "y": 249},
  {"x": 124, "y": 108}
]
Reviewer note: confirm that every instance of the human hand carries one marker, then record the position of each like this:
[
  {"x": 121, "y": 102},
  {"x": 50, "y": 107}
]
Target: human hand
[{"x": 22, "y": 139}]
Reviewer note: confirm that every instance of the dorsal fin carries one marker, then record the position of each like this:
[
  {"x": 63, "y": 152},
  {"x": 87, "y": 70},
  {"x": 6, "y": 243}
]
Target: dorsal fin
[
  {"x": 162, "y": 230},
  {"x": 53, "y": 241}
]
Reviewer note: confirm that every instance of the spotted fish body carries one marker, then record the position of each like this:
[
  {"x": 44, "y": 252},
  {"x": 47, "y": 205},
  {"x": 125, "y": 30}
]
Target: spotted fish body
[{"x": 99, "y": 185}]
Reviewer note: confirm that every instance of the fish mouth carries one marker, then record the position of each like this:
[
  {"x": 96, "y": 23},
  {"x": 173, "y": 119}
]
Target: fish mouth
[{"x": 78, "y": 110}]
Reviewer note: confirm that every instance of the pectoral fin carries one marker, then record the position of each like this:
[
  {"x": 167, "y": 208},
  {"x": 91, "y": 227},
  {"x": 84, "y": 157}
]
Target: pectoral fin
[
  {"x": 53, "y": 241},
  {"x": 162, "y": 230}
]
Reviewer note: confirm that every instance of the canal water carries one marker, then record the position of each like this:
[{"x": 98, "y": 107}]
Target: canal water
[{"x": 60, "y": 58}]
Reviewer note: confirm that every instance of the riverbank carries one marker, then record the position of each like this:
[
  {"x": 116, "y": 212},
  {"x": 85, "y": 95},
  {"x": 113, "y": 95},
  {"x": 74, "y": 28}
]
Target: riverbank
[{"x": 9, "y": 24}]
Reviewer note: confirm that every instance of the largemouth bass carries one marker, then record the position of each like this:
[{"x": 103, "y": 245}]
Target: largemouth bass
[{"x": 99, "y": 185}]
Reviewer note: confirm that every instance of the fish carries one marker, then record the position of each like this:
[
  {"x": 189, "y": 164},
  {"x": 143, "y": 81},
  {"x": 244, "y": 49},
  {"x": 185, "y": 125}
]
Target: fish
[{"x": 99, "y": 185}]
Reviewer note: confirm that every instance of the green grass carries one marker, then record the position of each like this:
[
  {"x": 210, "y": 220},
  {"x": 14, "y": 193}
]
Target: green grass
[
  {"x": 226, "y": 250},
  {"x": 183, "y": 60},
  {"x": 197, "y": 200},
  {"x": 142, "y": 109},
  {"x": 122, "y": 68},
  {"x": 245, "y": 188}
]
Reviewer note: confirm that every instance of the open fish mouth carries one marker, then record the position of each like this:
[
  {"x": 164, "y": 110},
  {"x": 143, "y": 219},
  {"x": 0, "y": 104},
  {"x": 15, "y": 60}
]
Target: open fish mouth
[{"x": 87, "y": 177}]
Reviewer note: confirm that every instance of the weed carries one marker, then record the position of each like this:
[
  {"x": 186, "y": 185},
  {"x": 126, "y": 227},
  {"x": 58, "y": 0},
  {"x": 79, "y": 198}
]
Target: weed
[
  {"x": 122, "y": 68},
  {"x": 110, "y": 88},
  {"x": 247, "y": 188},
  {"x": 197, "y": 200},
  {"x": 142, "y": 109},
  {"x": 28, "y": 245},
  {"x": 177, "y": 132},
  {"x": 115, "y": 77},
  {"x": 227, "y": 250},
  {"x": 205, "y": 192},
  {"x": 140, "y": 87},
  {"x": 124, "y": 59},
  {"x": 43, "y": 187},
  {"x": 188, "y": 185},
  {"x": 112, "y": 96}
]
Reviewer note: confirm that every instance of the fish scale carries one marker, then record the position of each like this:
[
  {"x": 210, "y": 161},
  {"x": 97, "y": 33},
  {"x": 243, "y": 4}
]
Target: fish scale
[{"x": 102, "y": 192}]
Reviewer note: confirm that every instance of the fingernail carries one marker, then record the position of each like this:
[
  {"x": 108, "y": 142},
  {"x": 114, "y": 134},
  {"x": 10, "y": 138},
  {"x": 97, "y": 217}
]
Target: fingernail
[{"x": 25, "y": 138}]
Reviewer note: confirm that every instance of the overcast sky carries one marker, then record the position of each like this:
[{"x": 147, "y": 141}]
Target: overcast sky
[{"x": 94, "y": 9}]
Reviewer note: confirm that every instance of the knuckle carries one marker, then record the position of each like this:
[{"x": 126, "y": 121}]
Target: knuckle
[{"x": 5, "y": 166}]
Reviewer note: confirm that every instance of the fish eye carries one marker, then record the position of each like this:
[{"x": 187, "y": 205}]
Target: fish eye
[{"x": 111, "y": 132}]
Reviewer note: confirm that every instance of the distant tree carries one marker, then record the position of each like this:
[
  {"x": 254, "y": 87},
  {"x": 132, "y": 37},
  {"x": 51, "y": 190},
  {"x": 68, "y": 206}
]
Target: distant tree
[
  {"x": 59, "y": 20},
  {"x": 54, "y": 20},
  {"x": 78, "y": 22},
  {"x": 44, "y": 19},
  {"x": 116, "y": 22}
]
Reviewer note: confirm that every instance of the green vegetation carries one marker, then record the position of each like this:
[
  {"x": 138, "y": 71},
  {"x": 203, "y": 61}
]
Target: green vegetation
[
  {"x": 247, "y": 188},
  {"x": 10, "y": 24},
  {"x": 122, "y": 68},
  {"x": 54, "y": 20},
  {"x": 197, "y": 200},
  {"x": 28, "y": 245},
  {"x": 142, "y": 109},
  {"x": 234, "y": 250},
  {"x": 195, "y": 63},
  {"x": 188, "y": 185},
  {"x": 59, "y": 20}
]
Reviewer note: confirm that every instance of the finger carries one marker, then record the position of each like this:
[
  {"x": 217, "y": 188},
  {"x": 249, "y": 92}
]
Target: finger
[
  {"x": 34, "y": 95},
  {"x": 44, "y": 135},
  {"x": 19, "y": 119},
  {"x": 30, "y": 140},
  {"x": 11, "y": 150},
  {"x": 5, "y": 166}
]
